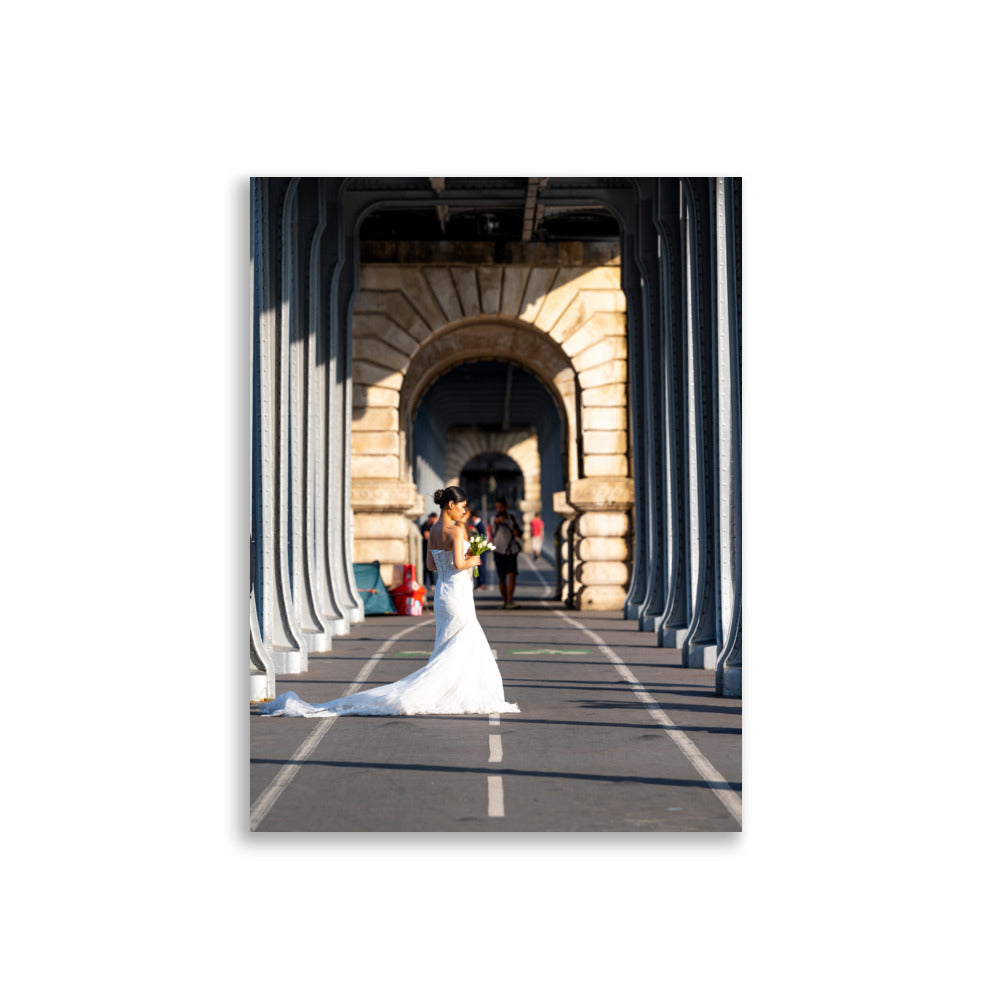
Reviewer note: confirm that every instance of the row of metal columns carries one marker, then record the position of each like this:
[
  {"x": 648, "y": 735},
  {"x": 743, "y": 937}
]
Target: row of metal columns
[
  {"x": 682, "y": 277},
  {"x": 302, "y": 590}
]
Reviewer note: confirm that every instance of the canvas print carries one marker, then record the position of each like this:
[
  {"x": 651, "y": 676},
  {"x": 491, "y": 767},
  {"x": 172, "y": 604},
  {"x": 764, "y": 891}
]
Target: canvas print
[{"x": 496, "y": 571}]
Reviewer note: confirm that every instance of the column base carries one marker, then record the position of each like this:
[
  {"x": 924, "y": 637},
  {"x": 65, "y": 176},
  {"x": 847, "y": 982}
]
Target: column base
[
  {"x": 601, "y": 557},
  {"x": 316, "y": 642},
  {"x": 356, "y": 615},
  {"x": 601, "y": 597},
  {"x": 671, "y": 638},
  {"x": 337, "y": 626},
  {"x": 289, "y": 661},
  {"x": 730, "y": 682},
  {"x": 259, "y": 687},
  {"x": 699, "y": 657}
]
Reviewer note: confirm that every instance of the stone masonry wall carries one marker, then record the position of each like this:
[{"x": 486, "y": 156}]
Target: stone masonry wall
[{"x": 566, "y": 321}]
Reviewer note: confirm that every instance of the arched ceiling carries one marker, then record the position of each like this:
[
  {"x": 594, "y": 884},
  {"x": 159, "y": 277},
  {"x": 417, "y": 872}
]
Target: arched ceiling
[{"x": 486, "y": 394}]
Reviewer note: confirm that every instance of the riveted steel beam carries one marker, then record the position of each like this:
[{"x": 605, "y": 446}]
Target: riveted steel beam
[
  {"x": 638, "y": 400},
  {"x": 260, "y": 659},
  {"x": 701, "y": 642},
  {"x": 673, "y": 515},
  {"x": 294, "y": 282},
  {"x": 339, "y": 282},
  {"x": 334, "y": 616},
  {"x": 654, "y": 600},
  {"x": 279, "y": 630},
  {"x": 728, "y": 211}
]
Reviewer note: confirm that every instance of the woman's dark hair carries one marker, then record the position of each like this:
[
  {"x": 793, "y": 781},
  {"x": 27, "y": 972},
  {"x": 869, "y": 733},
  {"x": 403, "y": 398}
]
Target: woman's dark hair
[{"x": 450, "y": 494}]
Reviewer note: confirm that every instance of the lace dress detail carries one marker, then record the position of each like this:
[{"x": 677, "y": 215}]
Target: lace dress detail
[{"x": 461, "y": 677}]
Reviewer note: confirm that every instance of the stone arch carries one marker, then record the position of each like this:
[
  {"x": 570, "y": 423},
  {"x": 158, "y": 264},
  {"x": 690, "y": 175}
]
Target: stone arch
[
  {"x": 520, "y": 446},
  {"x": 491, "y": 339},
  {"x": 566, "y": 325}
]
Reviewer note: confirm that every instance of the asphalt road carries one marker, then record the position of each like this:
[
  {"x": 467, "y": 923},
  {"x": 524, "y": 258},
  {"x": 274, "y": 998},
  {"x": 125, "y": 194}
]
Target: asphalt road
[{"x": 613, "y": 735}]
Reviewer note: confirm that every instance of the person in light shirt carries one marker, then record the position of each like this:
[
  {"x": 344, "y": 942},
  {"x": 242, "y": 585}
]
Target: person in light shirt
[{"x": 507, "y": 539}]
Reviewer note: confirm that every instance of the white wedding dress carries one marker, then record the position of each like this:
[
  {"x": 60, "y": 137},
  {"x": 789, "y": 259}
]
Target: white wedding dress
[{"x": 460, "y": 678}]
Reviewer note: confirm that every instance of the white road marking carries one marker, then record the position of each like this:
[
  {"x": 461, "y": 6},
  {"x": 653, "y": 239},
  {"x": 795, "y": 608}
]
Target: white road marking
[
  {"x": 494, "y": 790},
  {"x": 534, "y": 570},
  {"x": 494, "y": 782},
  {"x": 727, "y": 796},
  {"x": 267, "y": 798},
  {"x": 281, "y": 780}
]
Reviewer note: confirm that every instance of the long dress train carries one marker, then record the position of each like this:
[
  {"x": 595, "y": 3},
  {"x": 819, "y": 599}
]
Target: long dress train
[{"x": 460, "y": 678}]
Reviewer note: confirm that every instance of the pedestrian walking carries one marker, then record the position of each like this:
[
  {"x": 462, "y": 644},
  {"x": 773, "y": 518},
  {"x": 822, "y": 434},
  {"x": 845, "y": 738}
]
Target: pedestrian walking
[
  {"x": 507, "y": 536},
  {"x": 430, "y": 576},
  {"x": 537, "y": 533}
]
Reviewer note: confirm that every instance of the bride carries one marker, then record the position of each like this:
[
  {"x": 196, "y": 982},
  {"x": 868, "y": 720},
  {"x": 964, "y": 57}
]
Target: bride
[{"x": 461, "y": 676}]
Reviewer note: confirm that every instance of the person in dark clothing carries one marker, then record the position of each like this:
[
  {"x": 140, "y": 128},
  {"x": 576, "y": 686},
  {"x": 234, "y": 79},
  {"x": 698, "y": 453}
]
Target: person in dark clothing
[
  {"x": 507, "y": 539},
  {"x": 430, "y": 576},
  {"x": 477, "y": 526}
]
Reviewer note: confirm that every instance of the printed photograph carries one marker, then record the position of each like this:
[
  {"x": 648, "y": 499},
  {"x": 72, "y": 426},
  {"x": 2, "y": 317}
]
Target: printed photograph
[{"x": 495, "y": 550}]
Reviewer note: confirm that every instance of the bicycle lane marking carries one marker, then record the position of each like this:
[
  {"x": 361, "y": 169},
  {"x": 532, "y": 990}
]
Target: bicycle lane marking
[
  {"x": 722, "y": 789},
  {"x": 267, "y": 798}
]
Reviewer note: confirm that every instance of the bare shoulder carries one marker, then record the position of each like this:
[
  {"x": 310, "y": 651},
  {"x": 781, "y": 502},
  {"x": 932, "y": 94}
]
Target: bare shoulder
[{"x": 454, "y": 535}]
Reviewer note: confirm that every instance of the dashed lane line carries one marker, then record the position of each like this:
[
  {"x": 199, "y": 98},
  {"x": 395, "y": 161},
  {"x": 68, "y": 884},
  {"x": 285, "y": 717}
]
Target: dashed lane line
[
  {"x": 494, "y": 793},
  {"x": 494, "y": 782},
  {"x": 267, "y": 798}
]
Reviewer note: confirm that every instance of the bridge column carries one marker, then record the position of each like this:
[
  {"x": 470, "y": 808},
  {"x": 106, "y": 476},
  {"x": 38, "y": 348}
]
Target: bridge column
[
  {"x": 700, "y": 648},
  {"x": 672, "y": 623},
  {"x": 322, "y": 426},
  {"x": 649, "y": 417},
  {"x": 563, "y": 539},
  {"x": 600, "y": 546},
  {"x": 339, "y": 268},
  {"x": 302, "y": 453},
  {"x": 728, "y": 265},
  {"x": 603, "y": 496},
  {"x": 641, "y": 526},
  {"x": 262, "y": 680},
  {"x": 273, "y": 602}
]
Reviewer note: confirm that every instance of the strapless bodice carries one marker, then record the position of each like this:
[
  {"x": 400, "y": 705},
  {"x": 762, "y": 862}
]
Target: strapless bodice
[{"x": 444, "y": 559}]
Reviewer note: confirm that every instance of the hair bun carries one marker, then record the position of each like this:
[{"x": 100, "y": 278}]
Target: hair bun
[{"x": 449, "y": 495}]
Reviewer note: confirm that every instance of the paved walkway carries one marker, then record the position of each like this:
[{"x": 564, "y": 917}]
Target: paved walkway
[{"x": 613, "y": 734}]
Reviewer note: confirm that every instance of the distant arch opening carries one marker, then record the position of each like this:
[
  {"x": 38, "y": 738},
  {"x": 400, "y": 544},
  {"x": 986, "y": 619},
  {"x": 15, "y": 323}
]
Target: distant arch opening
[
  {"x": 493, "y": 428},
  {"x": 489, "y": 475}
]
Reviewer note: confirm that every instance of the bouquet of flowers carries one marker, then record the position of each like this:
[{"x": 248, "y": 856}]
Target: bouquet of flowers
[{"x": 478, "y": 544}]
